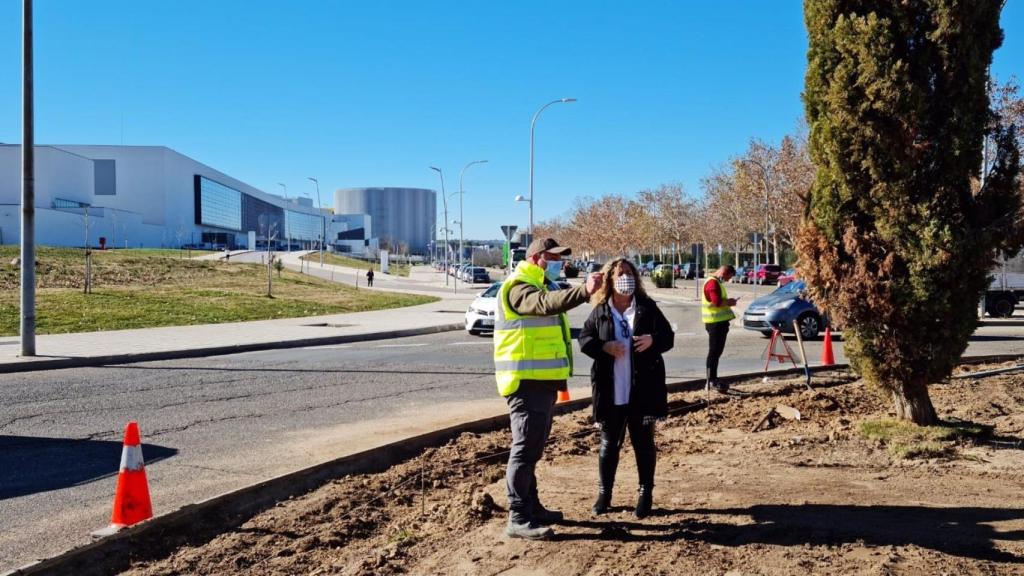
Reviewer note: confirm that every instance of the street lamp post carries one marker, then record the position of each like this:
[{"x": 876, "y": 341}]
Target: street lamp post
[
  {"x": 28, "y": 192},
  {"x": 444, "y": 197},
  {"x": 764, "y": 184},
  {"x": 323, "y": 224},
  {"x": 533, "y": 124},
  {"x": 462, "y": 192},
  {"x": 287, "y": 229}
]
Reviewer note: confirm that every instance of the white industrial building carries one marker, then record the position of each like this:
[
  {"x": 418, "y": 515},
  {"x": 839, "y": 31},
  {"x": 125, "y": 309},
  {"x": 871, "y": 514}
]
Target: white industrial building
[{"x": 152, "y": 196}]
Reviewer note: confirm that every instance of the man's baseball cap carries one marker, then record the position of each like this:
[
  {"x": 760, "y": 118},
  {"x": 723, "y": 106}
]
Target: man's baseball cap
[{"x": 546, "y": 245}]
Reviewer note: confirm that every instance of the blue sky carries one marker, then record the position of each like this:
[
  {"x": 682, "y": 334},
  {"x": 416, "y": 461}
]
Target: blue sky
[{"x": 372, "y": 93}]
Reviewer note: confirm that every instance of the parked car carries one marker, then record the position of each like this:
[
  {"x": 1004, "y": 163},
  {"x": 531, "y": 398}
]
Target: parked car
[
  {"x": 647, "y": 267},
  {"x": 741, "y": 275},
  {"x": 691, "y": 271},
  {"x": 786, "y": 277},
  {"x": 479, "y": 275},
  {"x": 480, "y": 315},
  {"x": 765, "y": 274},
  {"x": 593, "y": 267},
  {"x": 780, "y": 308}
]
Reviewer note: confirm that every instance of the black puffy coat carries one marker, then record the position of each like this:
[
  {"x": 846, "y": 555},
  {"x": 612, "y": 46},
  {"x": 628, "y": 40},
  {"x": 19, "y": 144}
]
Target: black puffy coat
[{"x": 648, "y": 396}]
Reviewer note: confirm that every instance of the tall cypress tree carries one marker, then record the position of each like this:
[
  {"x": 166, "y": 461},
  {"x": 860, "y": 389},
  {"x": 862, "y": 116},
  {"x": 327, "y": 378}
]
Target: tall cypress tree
[{"x": 899, "y": 241}]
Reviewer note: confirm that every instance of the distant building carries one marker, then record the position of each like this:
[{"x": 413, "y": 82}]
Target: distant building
[
  {"x": 399, "y": 215},
  {"x": 152, "y": 196}
]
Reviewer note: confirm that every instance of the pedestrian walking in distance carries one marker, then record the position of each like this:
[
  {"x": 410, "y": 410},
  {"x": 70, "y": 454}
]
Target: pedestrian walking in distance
[
  {"x": 716, "y": 312},
  {"x": 626, "y": 335},
  {"x": 532, "y": 362},
  {"x": 369, "y": 278}
]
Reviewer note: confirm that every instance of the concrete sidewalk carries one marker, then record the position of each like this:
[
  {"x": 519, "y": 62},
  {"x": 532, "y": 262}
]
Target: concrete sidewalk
[{"x": 122, "y": 346}]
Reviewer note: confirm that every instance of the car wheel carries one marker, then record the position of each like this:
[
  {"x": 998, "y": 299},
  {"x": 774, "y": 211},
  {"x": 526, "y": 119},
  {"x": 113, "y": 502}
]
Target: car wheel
[
  {"x": 810, "y": 326},
  {"x": 767, "y": 333},
  {"x": 474, "y": 332},
  {"x": 1001, "y": 308}
]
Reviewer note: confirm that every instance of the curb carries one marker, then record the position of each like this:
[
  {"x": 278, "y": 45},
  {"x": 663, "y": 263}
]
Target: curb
[
  {"x": 201, "y": 522},
  {"x": 79, "y": 362}
]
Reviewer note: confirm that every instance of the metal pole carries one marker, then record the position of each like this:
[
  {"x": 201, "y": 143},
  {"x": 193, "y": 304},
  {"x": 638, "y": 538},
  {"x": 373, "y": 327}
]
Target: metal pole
[
  {"x": 323, "y": 222},
  {"x": 445, "y": 198},
  {"x": 533, "y": 124},
  {"x": 462, "y": 192},
  {"x": 287, "y": 229},
  {"x": 28, "y": 193}
]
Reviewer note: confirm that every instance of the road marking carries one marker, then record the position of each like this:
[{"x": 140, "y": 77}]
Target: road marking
[
  {"x": 401, "y": 345},
  {"x": 328, "y": 347},
  {"x": 483, "y": 343}
]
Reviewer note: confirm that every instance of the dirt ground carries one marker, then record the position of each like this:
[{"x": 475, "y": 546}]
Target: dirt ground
[{"x": 809, "y": 496}]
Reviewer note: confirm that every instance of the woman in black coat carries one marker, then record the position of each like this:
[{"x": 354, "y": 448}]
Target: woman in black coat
[{"x": 626, "y": 334}]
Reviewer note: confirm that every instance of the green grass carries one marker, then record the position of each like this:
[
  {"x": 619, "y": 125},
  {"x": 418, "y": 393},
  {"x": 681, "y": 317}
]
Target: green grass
[
  {"x": 336, "y": 260},
  {"x": 908, "y": 440},
  {"x": 149, "y": 288}
]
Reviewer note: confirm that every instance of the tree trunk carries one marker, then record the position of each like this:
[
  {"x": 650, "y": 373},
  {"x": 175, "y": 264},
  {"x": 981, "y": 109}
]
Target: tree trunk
[{"x": 913, "y": 403}]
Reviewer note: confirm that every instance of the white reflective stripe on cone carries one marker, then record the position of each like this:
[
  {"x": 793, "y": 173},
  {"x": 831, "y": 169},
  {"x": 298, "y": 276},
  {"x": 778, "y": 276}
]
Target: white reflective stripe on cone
[{"x": 131, "y": 458}]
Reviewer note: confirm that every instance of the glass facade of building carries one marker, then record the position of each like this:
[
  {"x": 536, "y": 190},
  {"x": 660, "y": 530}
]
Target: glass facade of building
[
  {"x": 218, "y": 205},
  {"x": 226, "y": 208},
  {"x": 303, "y": 226}
]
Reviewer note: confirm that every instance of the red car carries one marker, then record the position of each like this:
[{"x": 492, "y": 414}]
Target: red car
[{"x": 765, "y": 274}]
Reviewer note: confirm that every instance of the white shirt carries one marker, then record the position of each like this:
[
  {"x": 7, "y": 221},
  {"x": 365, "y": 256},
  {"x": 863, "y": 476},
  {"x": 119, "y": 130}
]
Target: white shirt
[{"x": 624, "y": 365}]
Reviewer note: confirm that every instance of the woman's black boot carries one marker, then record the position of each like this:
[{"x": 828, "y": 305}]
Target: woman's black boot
[
  {"x": 643, "y": 502},
  {"x": 604, "y": 501}
]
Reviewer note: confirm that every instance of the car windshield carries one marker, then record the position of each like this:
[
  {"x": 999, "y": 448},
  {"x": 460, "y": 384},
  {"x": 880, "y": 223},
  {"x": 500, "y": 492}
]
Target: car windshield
[
  {"x": 791, "y": 288},
  {"x": 492, "y": 292}
]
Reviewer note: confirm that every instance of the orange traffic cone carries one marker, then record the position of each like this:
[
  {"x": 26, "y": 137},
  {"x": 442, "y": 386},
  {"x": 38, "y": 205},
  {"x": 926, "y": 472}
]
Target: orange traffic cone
[
  {"x": 827, "y": 359},
  {"x": 131, "y": 499},
  {"x": 563, "y": 396}
]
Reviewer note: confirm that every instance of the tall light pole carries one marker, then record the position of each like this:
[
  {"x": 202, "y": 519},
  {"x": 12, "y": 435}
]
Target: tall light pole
[
  {"x": 445, "y": 198},
  {"x": 533, "y": 124},
  {"x": 323, "y": 224},
  {"x": 462, "y": 192},
  {"x": 287, "y": 229},
  {"x": 764, "y": 183},
  {"x": 28, "y": 192}
]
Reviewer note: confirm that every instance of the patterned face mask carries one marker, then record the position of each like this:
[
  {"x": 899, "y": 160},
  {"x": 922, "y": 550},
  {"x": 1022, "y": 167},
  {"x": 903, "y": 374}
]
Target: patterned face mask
[{"x": 625, "y": 285}]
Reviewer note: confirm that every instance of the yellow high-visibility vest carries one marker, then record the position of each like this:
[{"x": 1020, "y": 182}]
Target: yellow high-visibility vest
[
  {"x": 711, "y": 314},
  {"x": 528, "y": 347}
]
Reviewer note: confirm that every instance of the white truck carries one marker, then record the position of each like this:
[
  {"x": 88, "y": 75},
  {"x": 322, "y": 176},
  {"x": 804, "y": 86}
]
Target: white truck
[{"x": 1007, "y": 288}]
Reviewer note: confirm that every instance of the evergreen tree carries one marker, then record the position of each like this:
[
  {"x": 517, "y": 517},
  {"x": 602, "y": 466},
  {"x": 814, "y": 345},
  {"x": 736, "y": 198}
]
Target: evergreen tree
[{"x": 896, "y": 244}]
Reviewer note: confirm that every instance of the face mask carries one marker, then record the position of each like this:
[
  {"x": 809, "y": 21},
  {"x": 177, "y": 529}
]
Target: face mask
[
  {"x": 625, "y": 285},
  {"x": 553, "y": 270}
]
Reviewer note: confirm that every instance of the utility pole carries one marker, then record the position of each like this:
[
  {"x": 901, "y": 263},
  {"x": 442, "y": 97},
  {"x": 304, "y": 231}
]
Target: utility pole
[
  {"x": 323, "y": 223},
  {"x": 28, "y": 193}
]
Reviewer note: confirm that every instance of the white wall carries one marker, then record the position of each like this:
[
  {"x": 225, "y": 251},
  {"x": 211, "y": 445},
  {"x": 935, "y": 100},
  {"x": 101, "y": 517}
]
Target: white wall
[{"x": 154, "y": 202}]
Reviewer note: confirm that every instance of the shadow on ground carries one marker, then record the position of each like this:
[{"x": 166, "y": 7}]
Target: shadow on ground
[
  {"x": 964, "y": 532},
  {"x": 29, "y": 465}
]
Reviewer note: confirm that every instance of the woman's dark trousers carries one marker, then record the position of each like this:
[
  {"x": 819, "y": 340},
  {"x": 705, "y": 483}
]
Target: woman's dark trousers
[{"x": 613, "y": 434}]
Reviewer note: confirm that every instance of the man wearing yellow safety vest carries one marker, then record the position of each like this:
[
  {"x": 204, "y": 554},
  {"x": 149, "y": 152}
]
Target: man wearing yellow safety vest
[
  {"x": 532, "y": 362},
  {"x": 716, "y": 312}
]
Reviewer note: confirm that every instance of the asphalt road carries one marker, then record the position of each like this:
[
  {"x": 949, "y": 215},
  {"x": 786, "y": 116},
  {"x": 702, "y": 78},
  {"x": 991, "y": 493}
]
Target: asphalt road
[{"x": 215, "y": 424}]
